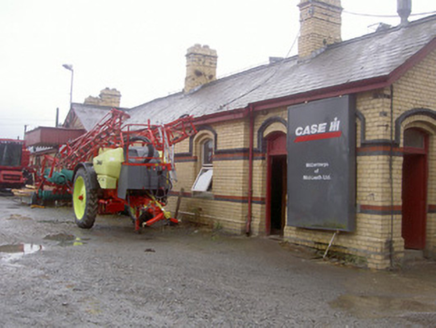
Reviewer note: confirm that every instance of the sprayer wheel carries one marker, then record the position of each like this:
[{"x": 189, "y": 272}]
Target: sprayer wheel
[{"x": 85, "y": 200}]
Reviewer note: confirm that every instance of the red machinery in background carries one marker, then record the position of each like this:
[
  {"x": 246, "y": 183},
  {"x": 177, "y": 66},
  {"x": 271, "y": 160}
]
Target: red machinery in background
[
  {"x": 114, "y": 167},
  {"x": 14, "y": 159}
]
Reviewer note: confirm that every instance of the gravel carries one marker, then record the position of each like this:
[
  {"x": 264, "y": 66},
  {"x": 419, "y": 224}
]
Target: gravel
[{"x": 54, "y": 274}]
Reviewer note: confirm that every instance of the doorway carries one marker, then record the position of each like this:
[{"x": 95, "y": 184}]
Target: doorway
[
  {"x": 278, "y": 194},
  {"x": 276, "y": 184},
  {"x": 414, "y": 189}
]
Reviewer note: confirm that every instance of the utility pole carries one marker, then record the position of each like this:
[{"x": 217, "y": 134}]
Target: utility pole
[{"x": 70, "y": 68}]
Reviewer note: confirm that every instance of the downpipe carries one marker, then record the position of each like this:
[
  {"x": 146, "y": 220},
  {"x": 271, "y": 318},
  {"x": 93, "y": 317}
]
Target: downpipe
[
  {"x": 391, "y": 158},
  {"x": 250, "y": 173}
]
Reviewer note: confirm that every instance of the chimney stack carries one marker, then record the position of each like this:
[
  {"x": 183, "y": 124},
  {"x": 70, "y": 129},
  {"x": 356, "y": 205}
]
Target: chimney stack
[
  {"x": 404, "y": 8},
  {"x": 108, "y": 97},
  {"x": 320, "y": 25},
  {"x": 201, "y": 63}
]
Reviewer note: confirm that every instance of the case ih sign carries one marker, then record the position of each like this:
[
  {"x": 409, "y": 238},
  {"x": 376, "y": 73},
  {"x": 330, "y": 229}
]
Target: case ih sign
[{"x": 321, "y": 164}]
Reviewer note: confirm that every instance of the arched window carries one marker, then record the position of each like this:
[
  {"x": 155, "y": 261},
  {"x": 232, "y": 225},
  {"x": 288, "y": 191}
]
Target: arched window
[
  {"x": 207, "y": 153},
  {"x": 203, "y": 182},
  {"x": 414, "y": 139}
]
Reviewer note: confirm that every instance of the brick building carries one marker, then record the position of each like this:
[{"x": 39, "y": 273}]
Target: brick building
[{"x": 373, "y": 190}]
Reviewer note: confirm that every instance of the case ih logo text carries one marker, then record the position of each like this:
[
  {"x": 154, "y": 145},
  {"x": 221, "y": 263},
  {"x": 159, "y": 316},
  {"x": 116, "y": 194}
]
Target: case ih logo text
[{"x": 318, "y": 131}]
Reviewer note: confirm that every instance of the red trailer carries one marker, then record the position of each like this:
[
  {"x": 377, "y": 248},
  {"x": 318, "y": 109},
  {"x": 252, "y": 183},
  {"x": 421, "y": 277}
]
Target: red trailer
[{"x": 14, "y": 159}]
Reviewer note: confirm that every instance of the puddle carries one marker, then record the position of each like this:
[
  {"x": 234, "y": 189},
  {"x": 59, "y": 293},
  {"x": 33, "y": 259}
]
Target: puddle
[
  {"x": 18, "y": 250},
  {"x": 379, "y": 306},
  {"x": 18, "y": 217},
  {"x": 78, "y": 242},
  {"x": 65, "y": 239},
  {"x": 60, "y": 237}
]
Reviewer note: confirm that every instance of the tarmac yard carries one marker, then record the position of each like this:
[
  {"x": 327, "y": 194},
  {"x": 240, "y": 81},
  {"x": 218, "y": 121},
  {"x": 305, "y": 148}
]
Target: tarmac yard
[{"x": 54, "y": 274}]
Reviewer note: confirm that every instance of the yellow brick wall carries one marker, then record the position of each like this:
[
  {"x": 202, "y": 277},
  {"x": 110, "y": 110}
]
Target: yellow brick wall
[
  {"x": 373, "y": 186},
  {"x": 233, "y": 134},
  {"x": 230, "y": 179},
  {"x": 416, "y": 89},
  {"x": 182, "y": 147},
  {"x": 226, "y": 205},
  {"x": 375, "y": 106},
  {"x": 264, "y": 116},
  {"x": 430, "y": 247}
]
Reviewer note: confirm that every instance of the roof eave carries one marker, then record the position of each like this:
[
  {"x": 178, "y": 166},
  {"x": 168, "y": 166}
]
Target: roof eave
[
  {"x": 334, "y": 91},
  {"x": 231, "y": 115}
]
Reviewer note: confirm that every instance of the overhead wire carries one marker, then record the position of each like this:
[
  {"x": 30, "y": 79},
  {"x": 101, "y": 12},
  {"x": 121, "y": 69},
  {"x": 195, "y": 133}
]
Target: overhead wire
[
  {"x": 293, "y": 45},
  {"x": 386, "y": 16},
  {"x": 20, "y": 119},
  {"x": 269, "y": 77}
]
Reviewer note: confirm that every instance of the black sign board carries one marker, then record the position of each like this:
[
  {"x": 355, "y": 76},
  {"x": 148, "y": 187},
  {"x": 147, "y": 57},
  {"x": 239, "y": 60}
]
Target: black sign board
[{"x": 321, "y": 164}]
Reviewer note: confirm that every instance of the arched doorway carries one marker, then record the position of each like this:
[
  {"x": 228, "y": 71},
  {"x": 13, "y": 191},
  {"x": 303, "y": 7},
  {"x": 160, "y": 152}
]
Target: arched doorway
[
  {"x": 276, "y": 183},
  {"x": 414, "y": 188}
]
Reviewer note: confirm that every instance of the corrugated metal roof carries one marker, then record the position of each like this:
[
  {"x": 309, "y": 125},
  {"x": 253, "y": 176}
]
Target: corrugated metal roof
[{"x": 368, "y": 57}]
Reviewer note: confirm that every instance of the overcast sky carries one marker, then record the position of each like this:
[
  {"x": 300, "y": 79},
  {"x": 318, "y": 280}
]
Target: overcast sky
[{"x": 139, "y": 46}]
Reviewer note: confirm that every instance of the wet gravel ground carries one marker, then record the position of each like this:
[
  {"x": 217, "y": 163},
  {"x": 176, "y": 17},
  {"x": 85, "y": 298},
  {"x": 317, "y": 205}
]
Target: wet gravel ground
[{"x": 53, "y": 274}]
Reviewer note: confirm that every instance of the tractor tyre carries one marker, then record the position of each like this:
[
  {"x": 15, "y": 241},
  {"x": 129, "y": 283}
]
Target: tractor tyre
[{"x": 85, "y": 200}]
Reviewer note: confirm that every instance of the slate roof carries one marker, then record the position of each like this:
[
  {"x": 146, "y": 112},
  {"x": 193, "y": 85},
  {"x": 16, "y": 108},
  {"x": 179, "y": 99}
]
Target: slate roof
[
  {"x": 90, "y": 115},
  {"x": 224, "y": 94},
  {"x": 375, "y": 55}
]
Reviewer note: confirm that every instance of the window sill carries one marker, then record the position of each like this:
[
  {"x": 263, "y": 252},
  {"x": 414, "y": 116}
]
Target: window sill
[{"x": 202, "y": 194}]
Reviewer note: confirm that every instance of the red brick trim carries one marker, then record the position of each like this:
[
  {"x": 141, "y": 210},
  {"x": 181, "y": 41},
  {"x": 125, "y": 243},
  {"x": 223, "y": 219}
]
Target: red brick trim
[{"x": 380, "y": 209}]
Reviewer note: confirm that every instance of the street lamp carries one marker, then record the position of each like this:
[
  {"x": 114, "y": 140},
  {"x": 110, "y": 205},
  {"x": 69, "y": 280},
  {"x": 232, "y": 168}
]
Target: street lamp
[{"x": 70, "y": 68}]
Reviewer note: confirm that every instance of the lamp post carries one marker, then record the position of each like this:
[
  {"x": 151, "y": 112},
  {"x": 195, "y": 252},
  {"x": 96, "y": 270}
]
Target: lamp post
[{"x": 70, "y": 68}]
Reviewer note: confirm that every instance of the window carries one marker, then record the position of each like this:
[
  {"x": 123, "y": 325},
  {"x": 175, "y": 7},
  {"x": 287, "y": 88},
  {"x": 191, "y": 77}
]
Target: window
[
  {"x": 203, "y": 182},
  {"x": 10, "y": 154},
  {"x": 415, "y": 141},
  {"x": 207, "y": 153},
  {"x": 414, "y": 138}
]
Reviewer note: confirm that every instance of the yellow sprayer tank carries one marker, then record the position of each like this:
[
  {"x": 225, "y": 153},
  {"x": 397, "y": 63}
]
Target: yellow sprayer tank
[{"x": 107, "y": 165}]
